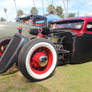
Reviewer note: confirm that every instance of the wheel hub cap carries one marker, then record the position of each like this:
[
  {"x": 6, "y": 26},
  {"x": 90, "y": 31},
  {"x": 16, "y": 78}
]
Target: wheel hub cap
[{"x": 43, "y": 61}]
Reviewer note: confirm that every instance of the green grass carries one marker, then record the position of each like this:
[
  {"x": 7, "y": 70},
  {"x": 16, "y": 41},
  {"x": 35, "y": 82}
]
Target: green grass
[
  {"x": 71, "y": 78},
  {"x": 68, "y": 78},
  {"x": 17, "y": 83}
]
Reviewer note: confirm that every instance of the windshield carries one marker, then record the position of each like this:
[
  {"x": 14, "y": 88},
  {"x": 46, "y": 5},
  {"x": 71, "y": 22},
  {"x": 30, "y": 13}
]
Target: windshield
[
  {"x": 71, "y": 24},
  {"x": 39, "y": 23}
]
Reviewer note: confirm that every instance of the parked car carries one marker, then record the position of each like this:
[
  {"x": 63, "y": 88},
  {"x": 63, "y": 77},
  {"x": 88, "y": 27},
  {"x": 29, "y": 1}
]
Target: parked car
[
  {"x": 34, "y": 20},
  {"x": 66, "y": 41}
]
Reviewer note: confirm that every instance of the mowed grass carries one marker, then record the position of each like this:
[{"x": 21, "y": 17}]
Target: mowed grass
[
  {"x": 17, "y": 83},
  {"x": 67, "y": 78},
  {"x": 71, "y": 78}
]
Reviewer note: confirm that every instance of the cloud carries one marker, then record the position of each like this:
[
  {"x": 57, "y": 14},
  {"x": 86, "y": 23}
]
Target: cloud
[{"x": 89, "y": 2}]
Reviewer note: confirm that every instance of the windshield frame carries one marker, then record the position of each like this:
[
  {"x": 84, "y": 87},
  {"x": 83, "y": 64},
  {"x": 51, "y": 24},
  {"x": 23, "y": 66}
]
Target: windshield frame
[{"x": 66, "y": 22}]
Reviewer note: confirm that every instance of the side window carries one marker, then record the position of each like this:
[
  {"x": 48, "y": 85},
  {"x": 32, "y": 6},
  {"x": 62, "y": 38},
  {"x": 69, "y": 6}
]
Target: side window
[{"x": 89, "y": 26}]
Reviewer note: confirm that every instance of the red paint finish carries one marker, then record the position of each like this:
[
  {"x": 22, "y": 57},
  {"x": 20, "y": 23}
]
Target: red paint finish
[
  {"x": 40, "y": 24},
  {"x": 40, "y": 35},
  {"x": 73, "y": 50},
  {"x": 36, "y": 57},
  {"x": 28, "y": 31},
  {"x": 82, "y": 30},
  {"x": 34, "y": 60},
  {"x": 79, "y": 32},
  {"x": 75, "y": 18},
  {"x": 3, "y": 46},
  {"x": 19, "y": 30},
  {"x": 1, "y": 52}
]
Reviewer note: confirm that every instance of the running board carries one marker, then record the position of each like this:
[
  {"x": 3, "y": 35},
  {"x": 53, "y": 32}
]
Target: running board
[{"x": 10, "y": 54}]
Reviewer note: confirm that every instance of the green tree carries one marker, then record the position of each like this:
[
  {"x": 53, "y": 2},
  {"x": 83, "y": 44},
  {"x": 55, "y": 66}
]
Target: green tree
[
  {"x": 71, "y": 15},
  {"x": 34, "y": 10},
  {"x": 20, "y": 12},
  {"x": 62, "y": 16},
  {"x": 51, "y": 9},
  {"x": 2, "y": 19},
  {"x": 59, "y": 10}
]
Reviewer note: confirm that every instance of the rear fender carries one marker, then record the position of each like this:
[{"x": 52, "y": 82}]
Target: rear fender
[{"x": 10, "y": 54}]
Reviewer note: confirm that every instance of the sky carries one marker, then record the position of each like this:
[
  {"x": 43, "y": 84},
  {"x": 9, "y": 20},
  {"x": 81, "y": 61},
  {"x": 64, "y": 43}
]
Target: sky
[{"x": 79, "y": 7}]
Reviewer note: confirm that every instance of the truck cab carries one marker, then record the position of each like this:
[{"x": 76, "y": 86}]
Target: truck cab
[
  {"x": 81, "y": 43},
  {"x": 78, "y": 25}
]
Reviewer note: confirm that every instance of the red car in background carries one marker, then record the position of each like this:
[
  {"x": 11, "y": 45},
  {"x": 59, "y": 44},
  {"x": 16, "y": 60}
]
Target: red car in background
[{"x": 34, "y": 20}]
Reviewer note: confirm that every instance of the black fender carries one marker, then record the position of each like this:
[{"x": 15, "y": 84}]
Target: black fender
[
  {"x": 82, "y": 49},
  {"x": 9, "y": 56}
]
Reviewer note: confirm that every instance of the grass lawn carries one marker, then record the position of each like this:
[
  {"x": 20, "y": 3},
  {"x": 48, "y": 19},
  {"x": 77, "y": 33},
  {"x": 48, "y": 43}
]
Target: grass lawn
[{"x": 67, "y": 78}]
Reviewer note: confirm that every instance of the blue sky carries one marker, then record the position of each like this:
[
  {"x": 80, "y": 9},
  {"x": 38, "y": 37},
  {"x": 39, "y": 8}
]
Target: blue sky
[{"x": 81, "y": 7}]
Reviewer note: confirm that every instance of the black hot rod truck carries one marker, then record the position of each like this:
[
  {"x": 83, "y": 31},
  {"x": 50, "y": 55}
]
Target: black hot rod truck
[{"x": 66, "y": 41}]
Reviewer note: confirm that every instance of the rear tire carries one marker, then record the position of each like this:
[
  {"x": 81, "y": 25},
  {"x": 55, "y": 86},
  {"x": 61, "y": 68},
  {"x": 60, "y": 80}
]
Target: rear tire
[{"x": 37, "y": 60}]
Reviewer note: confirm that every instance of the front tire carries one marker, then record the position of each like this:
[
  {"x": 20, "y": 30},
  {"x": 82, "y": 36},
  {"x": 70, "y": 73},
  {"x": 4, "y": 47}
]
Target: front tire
[{"x": 37, "y": 60}]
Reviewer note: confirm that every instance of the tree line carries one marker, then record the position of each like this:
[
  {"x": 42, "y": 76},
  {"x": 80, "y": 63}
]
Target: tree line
[{"x": 50, "y": 9}]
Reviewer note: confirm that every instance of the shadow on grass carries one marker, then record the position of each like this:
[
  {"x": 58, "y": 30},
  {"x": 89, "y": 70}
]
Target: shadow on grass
[{"x": 12, "y": 70}]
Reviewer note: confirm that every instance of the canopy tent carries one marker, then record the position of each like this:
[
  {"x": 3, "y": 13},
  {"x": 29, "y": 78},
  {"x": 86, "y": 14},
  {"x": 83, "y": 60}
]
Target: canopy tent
[{"x": 52, "y": 17}]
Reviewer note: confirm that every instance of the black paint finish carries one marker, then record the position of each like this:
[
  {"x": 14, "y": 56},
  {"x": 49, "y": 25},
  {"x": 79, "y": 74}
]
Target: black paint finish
[
  {"x": 10, "y": 55},
  {"x": 83, "y": 49}
]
